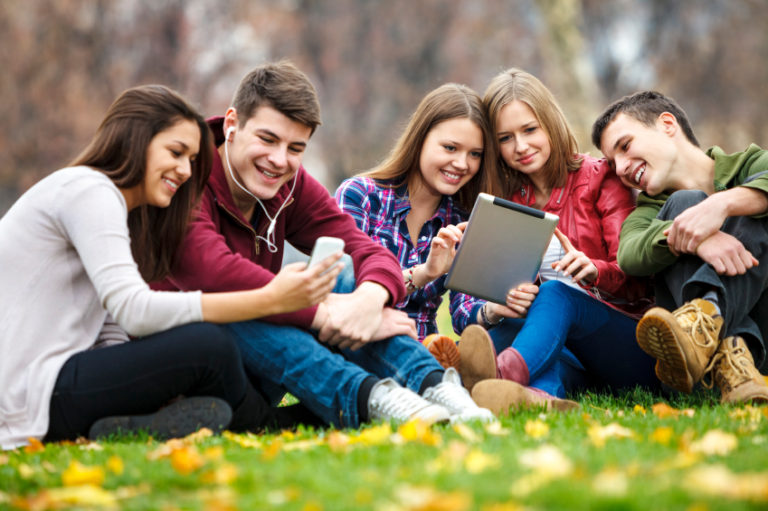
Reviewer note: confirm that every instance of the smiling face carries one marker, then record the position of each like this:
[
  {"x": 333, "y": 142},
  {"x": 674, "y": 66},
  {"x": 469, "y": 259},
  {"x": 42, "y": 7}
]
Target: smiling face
[
  {"x": 169, "y": 163},
  {"x": 450, "y": 156},
  {"x": 523, "y": 142},
  {"x": 265, "y": 153},
  {"x": 642, "y": 155}
]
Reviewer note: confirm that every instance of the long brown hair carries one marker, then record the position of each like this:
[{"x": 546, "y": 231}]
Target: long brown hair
[
  {"x": 119, "y": 150},
  {"x": 449, "y": 101},
  {"x": 515, "y": 84}
]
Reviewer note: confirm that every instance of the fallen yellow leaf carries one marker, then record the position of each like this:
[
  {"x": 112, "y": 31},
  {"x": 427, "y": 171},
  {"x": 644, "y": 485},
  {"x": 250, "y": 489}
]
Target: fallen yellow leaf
[
  {"x": 662, "y": 435},
  {"x": 214, "y": 453},
  {"x": 375, "y": 435},
  {"x": 248, "y": 441},
  {"x": 715, "y": 442},
  {"x": 224, "y": 474},
  {"x": 495, "y": 428},
  {"x": 611, "y": 482},
  {"x": 338, "y": 441},
  {"x": 25, "y": 471},
  {"x": 466, "y": 432},
  {"x": 33, "y": 446},
  {"x": 77, "y": 474},
  {"x": 477, "y": 461},
  {"x": 718, "y": 480},
  {"x": 599, "y": 434},
  {"x": 115, "y": 465},
  {"x": 547, "y": 460},
  {"x": 186, "y": 460},
  {"x": 84, "y": 495},
  {"x": 419, "y": 431},
  {"x": 272, "y": 450},
  {"x": 663, "y": 411},
  {"x": 639, "y": 409},
  {"x": 536, "y": 428},
  {"x": 422, "y": 498}
]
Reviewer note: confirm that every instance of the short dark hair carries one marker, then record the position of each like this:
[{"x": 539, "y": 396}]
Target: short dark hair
[
  {"x": 119, "y": 150},
  {"x": 645, "y": 107},
  {"x": 282, "y": 86}
]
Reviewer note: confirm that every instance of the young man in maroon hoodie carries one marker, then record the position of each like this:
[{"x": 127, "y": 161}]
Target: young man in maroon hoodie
[{"x": 346, "y": 358}]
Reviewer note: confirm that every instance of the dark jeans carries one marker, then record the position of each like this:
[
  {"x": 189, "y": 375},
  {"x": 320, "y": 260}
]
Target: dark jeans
[
  {"x": 141, "y": 376},
  {"x": 739, "y": 297}
]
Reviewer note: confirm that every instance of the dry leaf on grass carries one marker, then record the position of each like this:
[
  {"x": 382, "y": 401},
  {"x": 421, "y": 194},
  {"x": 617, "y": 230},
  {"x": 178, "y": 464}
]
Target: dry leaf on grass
[
  {"x": 714, "y": 442},
  {"x": 536, "y": 428},
  {"x": 599, "y": 434},
  {"x": 77, "y": 474}
]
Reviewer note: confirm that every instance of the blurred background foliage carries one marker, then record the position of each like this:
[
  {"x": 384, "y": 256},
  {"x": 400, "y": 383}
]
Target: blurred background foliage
[{"x": 64, "y": 61}]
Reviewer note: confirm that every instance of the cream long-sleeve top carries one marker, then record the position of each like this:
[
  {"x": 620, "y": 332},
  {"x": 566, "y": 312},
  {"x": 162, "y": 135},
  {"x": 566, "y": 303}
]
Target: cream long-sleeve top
[{"x": 65, "y": 261}]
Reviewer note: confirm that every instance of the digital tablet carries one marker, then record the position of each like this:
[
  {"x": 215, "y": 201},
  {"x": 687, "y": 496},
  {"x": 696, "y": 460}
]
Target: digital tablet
[{"x": 502, "y": 247}]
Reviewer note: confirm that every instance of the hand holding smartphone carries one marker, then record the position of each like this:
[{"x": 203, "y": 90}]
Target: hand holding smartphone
[{"x": 324, "y": 247}]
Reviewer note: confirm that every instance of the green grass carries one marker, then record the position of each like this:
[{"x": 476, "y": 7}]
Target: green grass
[
  {"x": 616, "y": 453},
  {"x": 651, "y": 461}
]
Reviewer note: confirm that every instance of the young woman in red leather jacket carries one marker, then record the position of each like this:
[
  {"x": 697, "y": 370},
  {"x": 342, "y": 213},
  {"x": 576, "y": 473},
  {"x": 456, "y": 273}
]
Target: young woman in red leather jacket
[{"x": 584, "y": 304}]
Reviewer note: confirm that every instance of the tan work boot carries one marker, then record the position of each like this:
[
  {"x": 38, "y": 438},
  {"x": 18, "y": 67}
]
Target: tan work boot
[
  {"x": 683, "y": 342},
  {"x": 501, "y": 396},
  {"x": 477, "y": 356},
  {"x": 444, "y": 349},
  {"x": 734, "y": 371}
]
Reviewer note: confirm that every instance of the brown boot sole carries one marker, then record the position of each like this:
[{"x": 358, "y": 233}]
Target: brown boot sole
[
  {"x": 506, "y": 396},
  {"x": 750, "y": 391},
  {"x": 658, "y": 335},
  {"x": 477, "y": 358},
  {"x": 445, "y": 351}
]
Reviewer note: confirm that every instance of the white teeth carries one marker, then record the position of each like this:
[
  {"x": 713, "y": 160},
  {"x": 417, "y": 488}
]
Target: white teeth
[
  {"x": 451, "y": 175},
  {"x": 639, "y": 174},
  {"x": 269, "y": 174},
  {"x": 171, "y": 184}
]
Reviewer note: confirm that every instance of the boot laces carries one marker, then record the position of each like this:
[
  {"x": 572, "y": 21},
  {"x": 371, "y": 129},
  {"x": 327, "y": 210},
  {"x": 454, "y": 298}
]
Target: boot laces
[
  {"x": 691, "y": 315},
  {"x": 729, "y": 355}
]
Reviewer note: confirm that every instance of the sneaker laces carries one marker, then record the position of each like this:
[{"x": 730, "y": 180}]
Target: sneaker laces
[
  {"x": 398, "y": 403},
  {"x": 701, "y": 321}
]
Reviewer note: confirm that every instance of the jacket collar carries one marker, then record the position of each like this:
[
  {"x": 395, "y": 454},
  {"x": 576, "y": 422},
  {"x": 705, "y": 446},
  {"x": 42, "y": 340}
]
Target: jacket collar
[{"x": 217, "y": 182}]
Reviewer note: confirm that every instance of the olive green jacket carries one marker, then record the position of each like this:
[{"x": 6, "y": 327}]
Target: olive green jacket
[{"x": 642, "y": 244}]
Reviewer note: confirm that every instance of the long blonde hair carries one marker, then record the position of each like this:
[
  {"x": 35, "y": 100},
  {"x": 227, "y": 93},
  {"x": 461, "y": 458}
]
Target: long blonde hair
[
  {"x": 449, "y": 101},
  {"x": 515, "y": 84}
]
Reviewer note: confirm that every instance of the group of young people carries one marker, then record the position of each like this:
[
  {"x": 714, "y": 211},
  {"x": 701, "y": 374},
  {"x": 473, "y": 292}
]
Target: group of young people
[{"x": 143, "y": 286}]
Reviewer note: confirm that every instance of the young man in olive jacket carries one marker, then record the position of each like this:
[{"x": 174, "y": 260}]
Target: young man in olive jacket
[{"x": 700, "y": 226}]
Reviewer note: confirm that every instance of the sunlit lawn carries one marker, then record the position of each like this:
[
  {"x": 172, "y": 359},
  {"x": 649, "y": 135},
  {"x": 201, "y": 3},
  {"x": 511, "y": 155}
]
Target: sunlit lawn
[{"x": 634, "y": 451}]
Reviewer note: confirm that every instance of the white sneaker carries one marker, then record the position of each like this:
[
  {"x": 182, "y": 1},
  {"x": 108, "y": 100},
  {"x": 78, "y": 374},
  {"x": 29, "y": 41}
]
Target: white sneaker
[
  {"x": 452, "y": 395},
  {"x": 390, "y": 401}
]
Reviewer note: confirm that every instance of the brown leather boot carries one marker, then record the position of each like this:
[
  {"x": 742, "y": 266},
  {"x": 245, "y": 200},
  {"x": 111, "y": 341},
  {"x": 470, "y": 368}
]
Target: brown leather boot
[
  {"x": 734, "y": 371},
  {"x": 683, "y": 342},
  {"x": 503, "y": 396},
  {"x": 477, "y": 356}
]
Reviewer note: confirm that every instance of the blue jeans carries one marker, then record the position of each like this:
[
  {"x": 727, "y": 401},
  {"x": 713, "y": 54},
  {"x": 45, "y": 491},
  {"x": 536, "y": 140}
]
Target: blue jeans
[
  {"x": 282, "y": 358},
  {"x": 564, "y": 321}
]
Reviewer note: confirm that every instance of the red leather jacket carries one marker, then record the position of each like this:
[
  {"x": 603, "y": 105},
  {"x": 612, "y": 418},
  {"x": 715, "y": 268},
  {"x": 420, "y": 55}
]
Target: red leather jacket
[{"x": 592, "y": 206}]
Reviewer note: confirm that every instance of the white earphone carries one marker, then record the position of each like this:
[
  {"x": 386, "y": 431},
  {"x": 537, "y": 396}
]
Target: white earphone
[{"x": 270, "y": 239}]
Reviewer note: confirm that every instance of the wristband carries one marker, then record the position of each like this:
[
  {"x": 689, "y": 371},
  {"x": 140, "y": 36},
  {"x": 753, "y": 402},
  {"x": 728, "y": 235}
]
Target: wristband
[
  {"x": 484, "y": 316},
  {"x": 409, "y": 284}
]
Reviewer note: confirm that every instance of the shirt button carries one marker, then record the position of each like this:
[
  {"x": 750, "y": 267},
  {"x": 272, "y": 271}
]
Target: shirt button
[{"x": 423, "y": 238}]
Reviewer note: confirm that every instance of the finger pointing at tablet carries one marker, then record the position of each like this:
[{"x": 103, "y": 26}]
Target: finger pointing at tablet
[{"x": 574, "y": 262}]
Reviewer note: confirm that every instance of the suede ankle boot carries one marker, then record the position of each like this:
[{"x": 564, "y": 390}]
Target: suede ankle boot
[{"x": 511, "y": 366}]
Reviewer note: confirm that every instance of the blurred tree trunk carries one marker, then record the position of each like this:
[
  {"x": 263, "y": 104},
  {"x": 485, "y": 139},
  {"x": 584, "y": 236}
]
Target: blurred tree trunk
[{"x": 569, "y": 72}]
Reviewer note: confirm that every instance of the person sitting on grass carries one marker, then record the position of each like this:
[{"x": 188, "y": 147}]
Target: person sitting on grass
[
  {"x": 416, "y": 202},
  {"x": 76, "y": 249},
  {"x": 700, "y": 228},
  {"x": 585, "y": 306},
  {"x": 351, "y": 358}
]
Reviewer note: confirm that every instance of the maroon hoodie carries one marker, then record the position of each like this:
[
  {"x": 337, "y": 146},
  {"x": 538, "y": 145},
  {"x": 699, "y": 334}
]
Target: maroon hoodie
[{"x": 222, "y": 253}]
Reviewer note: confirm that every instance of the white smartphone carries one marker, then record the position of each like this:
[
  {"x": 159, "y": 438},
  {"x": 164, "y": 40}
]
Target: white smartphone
[{"x": 324, "y": 247}]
